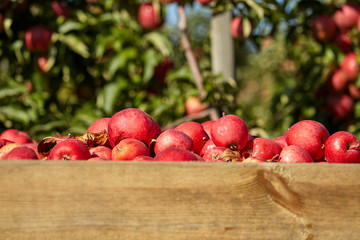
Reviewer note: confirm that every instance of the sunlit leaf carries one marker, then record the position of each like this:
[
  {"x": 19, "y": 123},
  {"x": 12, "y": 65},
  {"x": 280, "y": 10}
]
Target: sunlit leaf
[{"x": 75, "y": 43}]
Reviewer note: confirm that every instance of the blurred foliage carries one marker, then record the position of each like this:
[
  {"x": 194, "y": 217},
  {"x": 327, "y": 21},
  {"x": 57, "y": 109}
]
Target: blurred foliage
[{"x": 101, "y": 61}]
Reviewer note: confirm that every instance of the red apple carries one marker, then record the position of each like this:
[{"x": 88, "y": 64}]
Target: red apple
[
  {"x": 99, "y": 125},
  {"x": 323, "y": 28},
  {"x": 16, "y": 136},
  {"x": 162, "y": 69},
  {"x": 4, "y": 142},
  {"x": 129, "y": 148},
  {"x": 337, "y": 81},
  {"x": 230, "y": 131},
  {"x": 281, "y": 140},
  {"x": 173, "y": 138},
  {"x": 132, "y": 123},
  {"x": 236, "y": 28},
  {"x": 196, "y": 132},
  {"x": 69, "y": 149},
  {"x": 38, "y": 38},
  {"x": 266, "y": 149},
  {"x": 342, "y": 147},
  {"x": 60, "y": 8},
  {"x": 21, "y": 153},
  {"x": 193, "y": 105},
  {"x": 295, "y": 154},
  {"x": 346, "y": 17},
  {"x": 350, "y": 66},
  {"x": 174, "y": 154},
  {"x": 101, "y": 151},
  {"x": 343, "y": 41},
  {"x": 149, "y": 16},
  {"x": 339, "y": 106},
  {"x": 143, "y": 158},
  {"x": 34, "y": 146},
  {"x": 42, "y": 64},
  {"x": 207, "y": 147},
  {"x": 207, "y": 126},
  {"x": 7, "y": 148},
  {"x": 310, "y": 135},
  {"x": 354, "y": 91}
]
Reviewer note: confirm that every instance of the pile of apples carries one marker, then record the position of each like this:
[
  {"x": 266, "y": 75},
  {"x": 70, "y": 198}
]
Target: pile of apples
[
  {"x": 133, "y": 135},
  {"x": 337, "y": 30}
]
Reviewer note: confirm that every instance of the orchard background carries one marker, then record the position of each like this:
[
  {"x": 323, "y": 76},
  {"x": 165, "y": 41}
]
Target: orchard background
[{"x": 101, "y": 59}]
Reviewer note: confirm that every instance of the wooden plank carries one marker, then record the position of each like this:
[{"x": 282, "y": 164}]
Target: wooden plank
[{"x": 149, "y": 200}]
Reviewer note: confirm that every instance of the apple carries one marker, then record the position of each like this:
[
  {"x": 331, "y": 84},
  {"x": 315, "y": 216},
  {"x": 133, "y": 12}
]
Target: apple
[
  {"x": 69, "y": 149},
  {"x": 309, "y": 135},
  {"x": 339, "y": 106},
  {"x": 4, "y": 142},
  {"x": 149, "y": 16},
  {"x": 132, "y": 123},
  {"x": 337, "y": 82},
  {"x": 266, "y": 149},
  {"x": 207, "y": 147},
  {"x": 350, "y": 66},
  {"x": 34, "y": 146},
  {"x": 143, "y": 158},
  {"x": 16, "y": 136},
  {"x": 342, "y": 147},
  {"x": 42, "y": 64},
  {"x": 281, "y": 140},
  {"x": 236, "y": 28},
  {"x": 230, "y": 131},
  {"x": 60, "y": 8},
  {"x": 196, "y": 132},
  {"x": 7, "y": 148},
  {"x": 295, "y": 154},
  {"x": 174, "y": 154},
  {"x": 354, "y": 91},
  {"x": 193, "y": 105},
  {"x": 323, "y": 28},
  {"x": 162, "y": 69},
  {"x": 38, "y": 38},
  {"x": 173, "y": 138},
  {"x": 101, "y": 151},
  {"x": 21, "y": 153},
  {"x": 207, "y": 126},
  {"x": 346, "y": 17},
  {"x": 129, "y": 148},
  {"x": 343, "y": 41}
]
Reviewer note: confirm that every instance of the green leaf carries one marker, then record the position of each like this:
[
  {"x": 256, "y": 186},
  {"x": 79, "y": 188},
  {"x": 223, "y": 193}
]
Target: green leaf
[
  {"x": 15, "y": 113},
  {"x": 74, "y": 43},
  {"x": 257, "y": 8},
  {"x": 160, "y": 42},
  {"x": 120, "y": 60},
  {"x": 111, "y": 93},
  {"x": 150, "y": 61},
  {"x": 71, "y": 26}
]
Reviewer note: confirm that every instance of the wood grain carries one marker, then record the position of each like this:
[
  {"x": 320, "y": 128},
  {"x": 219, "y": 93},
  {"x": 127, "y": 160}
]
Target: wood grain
[{"x": 148, "y": 200}]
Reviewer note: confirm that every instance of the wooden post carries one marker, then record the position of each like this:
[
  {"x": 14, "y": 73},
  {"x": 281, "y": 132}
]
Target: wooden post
[{"x": 222, "y": 45}]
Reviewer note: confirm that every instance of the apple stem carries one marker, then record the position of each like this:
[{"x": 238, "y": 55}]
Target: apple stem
[{"x": 185, "y": 42}]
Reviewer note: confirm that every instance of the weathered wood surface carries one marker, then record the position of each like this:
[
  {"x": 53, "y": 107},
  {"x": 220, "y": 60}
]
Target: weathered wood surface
[{"x": 148, "y": 200}]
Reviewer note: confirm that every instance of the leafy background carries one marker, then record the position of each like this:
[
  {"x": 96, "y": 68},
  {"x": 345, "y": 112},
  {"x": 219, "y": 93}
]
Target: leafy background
[{"x": 101, "y": 61}]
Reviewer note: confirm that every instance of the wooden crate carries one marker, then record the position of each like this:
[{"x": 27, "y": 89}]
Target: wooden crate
[{"x": 149, "y": 200}]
